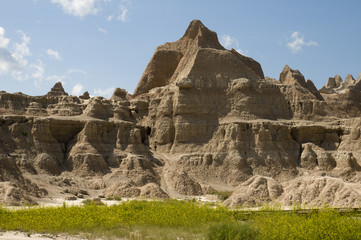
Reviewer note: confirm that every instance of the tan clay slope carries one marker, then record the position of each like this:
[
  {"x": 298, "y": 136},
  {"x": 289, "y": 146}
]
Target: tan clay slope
[{"x": 202, "y": 118}]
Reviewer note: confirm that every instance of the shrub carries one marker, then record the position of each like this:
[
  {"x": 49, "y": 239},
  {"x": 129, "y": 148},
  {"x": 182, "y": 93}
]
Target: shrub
[
  {"x": 222, "y": 195},
  {"x": 117, "y": 198},
  {"x": 94, "y": 202},
  {"x": 231, "y": 231}
]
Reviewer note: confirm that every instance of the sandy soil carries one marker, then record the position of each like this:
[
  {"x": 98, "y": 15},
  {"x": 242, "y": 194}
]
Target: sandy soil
[{"x": 36, "y": 236}]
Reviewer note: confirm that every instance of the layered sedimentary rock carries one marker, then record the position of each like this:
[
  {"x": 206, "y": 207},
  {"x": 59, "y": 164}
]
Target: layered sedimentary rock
[
  {"x": 57, "y": 90},
  {"x": 202, "y": 119},
  {"x": 343, "y": 97},
  {"x": 197, "y": 54}
]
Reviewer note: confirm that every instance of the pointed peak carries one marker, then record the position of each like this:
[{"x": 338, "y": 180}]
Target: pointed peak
[
  {"x": 358, "y": 82},
  {"x": 119, "y": 94},
  {"x": 58, "y": 85},
  {"x": 287, "y": 69},
  {"x": 57, "y": 90},
  {"x": 338, "y": 80},
  {"x": 349, "y": 76},
  {"x": 349, "y": 80},
  {"x": 292, "y": 71},
  {"x": 331, "y": 83},
  {"x": 193, "y": 29},
  {"x": 196, "y": 55},
  {"x": 359, "y": 78},
  {"x": 205, "y": 38},
  {"x": 312, "y": 88},
  {"x": 85, "y": 95},
  {"x": 290, "y": 76}
]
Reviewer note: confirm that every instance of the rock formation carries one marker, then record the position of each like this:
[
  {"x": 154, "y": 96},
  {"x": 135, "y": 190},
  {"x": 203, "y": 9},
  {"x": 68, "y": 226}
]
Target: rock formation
[
  {"x": 202, "y": 119},
  {"x": 85, "y": 95},
  {"x": 57, "y": 90},
  {"x": 188, "y": 58}
]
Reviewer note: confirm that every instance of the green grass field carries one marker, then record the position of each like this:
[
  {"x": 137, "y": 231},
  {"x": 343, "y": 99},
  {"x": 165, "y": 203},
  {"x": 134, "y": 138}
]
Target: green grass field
[{"x": 174, "y": 219}]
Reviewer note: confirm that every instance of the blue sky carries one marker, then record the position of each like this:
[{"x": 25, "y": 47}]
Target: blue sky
[{"x": 98, "y": 45}]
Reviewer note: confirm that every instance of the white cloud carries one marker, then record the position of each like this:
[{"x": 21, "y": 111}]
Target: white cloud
[
  {"x": 21, "y": 50},
  {"x": 102, "y": 30},
  {"x": 228, "y": 41},
  {"x": 54, "y": 54},
  {"x": 78, "y": 8},
  {"x": 77, "y": 70},
  {"x": 7, "y": 62},
  {"x": 123, "y": 9},
  {"x": 14, "y": 60},
  {"x": 123, "y": 15},
  {"x": 82, "y": 8},
  {"x": 39, "y": 70},
  {"x": 104, "y": 92},
  {"x": 297, "y": 42},
  {"x": 110, "y": 18},
  {"x": 77, "y": 89},
  {"x": 240, "y": 51},
  {"x": 39, "y": 73},
  {"x": 4, "y": 42},
  {"x": 56, "y": 78}
]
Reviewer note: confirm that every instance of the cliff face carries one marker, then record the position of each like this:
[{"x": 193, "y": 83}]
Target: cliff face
[
  {"x": 197, "y": 55},
  {"x": 202, "y": 118}
]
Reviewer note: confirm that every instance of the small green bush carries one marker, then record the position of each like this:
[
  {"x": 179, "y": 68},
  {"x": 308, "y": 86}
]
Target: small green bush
[
  {"x": 96, "y": 202},
  {"x": 24, "y": 133},
  {"x": 231, "y": 231},
  {"x": 223, "y": 195},
  {"x": 117, "y": 198}
]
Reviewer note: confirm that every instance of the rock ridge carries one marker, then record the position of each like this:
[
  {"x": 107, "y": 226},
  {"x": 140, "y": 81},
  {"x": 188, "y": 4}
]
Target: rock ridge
[{"x": 202, "y": 119}]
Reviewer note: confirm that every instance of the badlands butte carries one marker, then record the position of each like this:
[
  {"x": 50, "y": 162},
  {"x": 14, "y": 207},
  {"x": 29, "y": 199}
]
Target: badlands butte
[{"x": 202, "y": 119}]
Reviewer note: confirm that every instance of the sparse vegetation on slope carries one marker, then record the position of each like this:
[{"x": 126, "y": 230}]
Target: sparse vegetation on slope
[{"x": 324, "y": 224}]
